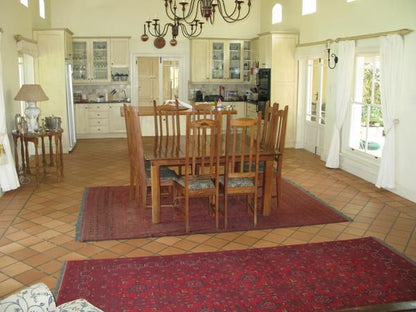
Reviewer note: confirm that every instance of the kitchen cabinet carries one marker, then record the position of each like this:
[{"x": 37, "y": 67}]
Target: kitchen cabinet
[
  {"x": 120, "y": 59},
  {"x": 220, "y": 61},
  {"x": 116, "y": 121},
  {"x": 200, "y": 65},
  {"x": 91, "y": 60},
  {"x": 81, "y": 119},
  {"x": 277, "y": 51},
  {"x": 99, "y": 120}
]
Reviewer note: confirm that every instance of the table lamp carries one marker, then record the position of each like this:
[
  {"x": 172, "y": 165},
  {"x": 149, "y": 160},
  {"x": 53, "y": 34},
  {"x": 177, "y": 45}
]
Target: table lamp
[{"x": 31, "y": 93}]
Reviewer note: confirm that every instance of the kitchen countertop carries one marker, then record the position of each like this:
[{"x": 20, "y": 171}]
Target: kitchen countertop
[{"x": 101, "y": 102}]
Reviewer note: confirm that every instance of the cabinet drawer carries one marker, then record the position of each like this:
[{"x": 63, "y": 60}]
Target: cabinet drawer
[
  {"x": 251, "y": 108},
  {"x": 97, "y": 114},
  {"x": 99, "y": 129},
  {"x": 96, "y": 122}
]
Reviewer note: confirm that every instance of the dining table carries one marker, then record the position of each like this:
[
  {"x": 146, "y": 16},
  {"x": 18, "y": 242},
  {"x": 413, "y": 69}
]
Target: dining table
[{"x": 170, "y": 151}]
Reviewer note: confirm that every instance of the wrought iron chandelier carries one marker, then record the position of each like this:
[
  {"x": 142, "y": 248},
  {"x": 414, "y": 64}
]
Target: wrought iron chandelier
[
  {"x": 189, "y": 14},
  {"x": 189, "y": 10},
  {"x": 155, "y": 29}
]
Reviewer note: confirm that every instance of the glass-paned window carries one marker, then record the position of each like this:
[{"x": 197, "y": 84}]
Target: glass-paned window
[
  {"x": 308, "y": 7},
  {"x": 25, "y": 2},
  {"x": 42, "y": 8},
  {"x": 277, "y": 14},
  {"x": 366, "y": 128}
]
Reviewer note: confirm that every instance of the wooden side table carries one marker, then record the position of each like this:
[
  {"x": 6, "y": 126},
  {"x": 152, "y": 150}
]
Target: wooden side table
[{"x": 25, "y": 138}]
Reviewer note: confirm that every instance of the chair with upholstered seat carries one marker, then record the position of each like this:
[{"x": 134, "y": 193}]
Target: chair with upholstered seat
[
  {"x": 139, "y": 168},
  {"x": 242, "y": 146},
  {"x": 202, "y": 161}
]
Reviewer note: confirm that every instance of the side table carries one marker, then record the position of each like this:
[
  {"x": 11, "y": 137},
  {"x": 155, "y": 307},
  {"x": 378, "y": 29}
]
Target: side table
[{"x": 34, "y": 138}]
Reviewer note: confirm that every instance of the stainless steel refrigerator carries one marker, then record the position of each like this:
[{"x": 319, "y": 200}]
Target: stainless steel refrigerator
[{"x": 72, "y": 139}]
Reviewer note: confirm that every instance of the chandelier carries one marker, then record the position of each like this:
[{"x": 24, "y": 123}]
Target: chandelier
[
  {"x": 186, "y": 17},
  {"x": 155, "y": 29},
  {"x": 189, "y": 10}
]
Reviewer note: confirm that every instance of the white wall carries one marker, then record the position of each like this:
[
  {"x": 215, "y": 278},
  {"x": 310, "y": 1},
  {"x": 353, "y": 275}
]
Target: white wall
[{"x": 337, "y": 18}]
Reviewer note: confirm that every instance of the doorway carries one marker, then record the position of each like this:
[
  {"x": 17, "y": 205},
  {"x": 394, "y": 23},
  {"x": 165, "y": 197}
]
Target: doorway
[
  {"x": 159, "y": 78},
  {"x": 315, "y": 105}
]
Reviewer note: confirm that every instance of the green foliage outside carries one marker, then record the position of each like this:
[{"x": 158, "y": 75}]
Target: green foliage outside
[{"x": 371, "y": 95}]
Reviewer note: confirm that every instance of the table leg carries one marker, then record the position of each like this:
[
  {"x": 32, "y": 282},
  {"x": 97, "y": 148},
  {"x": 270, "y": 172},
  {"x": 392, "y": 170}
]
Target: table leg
[
  {"x": 155, "y": 185},
  {"x": 51, "y": 150},
  {"x": 36, "y": 142},
  {"x": 267, "y": 187},
  {"x": 27, "y": 158},
  {"x": 16, "y": 157}
]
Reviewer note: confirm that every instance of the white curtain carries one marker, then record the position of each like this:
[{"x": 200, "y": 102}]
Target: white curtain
[
  {"x": 8, "y": 176},
  {"x": 344, "y": 75},
  {"x": 391, "y": 63}
]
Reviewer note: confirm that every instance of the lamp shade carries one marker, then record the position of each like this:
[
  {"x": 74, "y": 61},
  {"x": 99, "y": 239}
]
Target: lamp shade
[{"x": 31, "y": 93}]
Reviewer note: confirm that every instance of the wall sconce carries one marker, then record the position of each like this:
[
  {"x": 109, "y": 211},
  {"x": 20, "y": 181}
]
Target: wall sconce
[{"x": 333, "y": 55}]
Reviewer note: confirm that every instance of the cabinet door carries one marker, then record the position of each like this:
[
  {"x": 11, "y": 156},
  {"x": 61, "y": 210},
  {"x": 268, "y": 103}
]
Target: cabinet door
[
  {"x": 218, "y": 60},
  {"x": 200, "y": 64},
  {"x": 80, "y": 61},
  {"x": 235, "y": 59},
  {"x": 120, "y": 52},
  {"x": 81, "y": 118},
  {"x": 116, "y": 121},
  {"x": 100, "y": 60}
]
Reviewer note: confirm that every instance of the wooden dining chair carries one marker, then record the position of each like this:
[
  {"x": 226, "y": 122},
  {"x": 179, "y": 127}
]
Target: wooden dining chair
[
  {"x": 204, "y": 111},
  {"x": 268, "y": 134},
  {"x": 277, "y": 142},
  {"x": 202, "y": 161},
  {"x": 242, "y": 145},
  {"x": 139, "y": 168}
]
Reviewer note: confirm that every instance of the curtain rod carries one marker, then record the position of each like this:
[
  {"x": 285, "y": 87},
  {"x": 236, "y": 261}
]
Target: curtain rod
[{"x": 402, "y": 32}]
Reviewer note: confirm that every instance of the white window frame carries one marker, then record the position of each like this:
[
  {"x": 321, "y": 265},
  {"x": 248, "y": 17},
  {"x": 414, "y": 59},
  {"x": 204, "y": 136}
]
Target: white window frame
[
  {"x": 356, "y": 162},
  {"x": 42, "y": 10},
  {"x": 308, "y": 7},
  {"x": 25, "y": 3},
  {"x": 277, "y": 13}
]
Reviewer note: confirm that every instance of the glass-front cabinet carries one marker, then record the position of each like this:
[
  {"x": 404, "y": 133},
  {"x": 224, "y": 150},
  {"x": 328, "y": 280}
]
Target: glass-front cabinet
[
  {"x": 91, "y": 61},
  {"x": 234, "y": 49},
  {"x": 217, "y": 60},
  {"x": 221, "y": 60},
  {"x": 226, "y": 60}
]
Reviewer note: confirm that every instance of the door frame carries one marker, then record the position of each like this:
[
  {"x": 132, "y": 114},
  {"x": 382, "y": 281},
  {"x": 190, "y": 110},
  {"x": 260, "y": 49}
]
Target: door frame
[
  {"x": 301, "y": 113},
  {"x": 183, "y": 75}
]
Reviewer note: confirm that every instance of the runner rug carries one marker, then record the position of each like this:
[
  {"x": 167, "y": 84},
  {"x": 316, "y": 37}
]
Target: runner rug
[
  {"x": 309, "y": 277},
  {"x": 107, "y": 214}
]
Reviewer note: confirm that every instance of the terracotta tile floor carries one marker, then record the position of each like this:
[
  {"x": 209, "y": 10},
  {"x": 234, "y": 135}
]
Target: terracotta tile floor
[{"x": 37, "y": 225}]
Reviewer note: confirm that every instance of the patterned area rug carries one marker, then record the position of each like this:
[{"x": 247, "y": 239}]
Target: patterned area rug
[
  {"x": 106, "y": 213},
  {"x": 311, "y": 277}
]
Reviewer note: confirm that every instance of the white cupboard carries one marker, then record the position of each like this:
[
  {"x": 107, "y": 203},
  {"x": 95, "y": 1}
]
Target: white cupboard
[
  {"x": 220, "y": 61},
  {"x": 99, "y": 120}
]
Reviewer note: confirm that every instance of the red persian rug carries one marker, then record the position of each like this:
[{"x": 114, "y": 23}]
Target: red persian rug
[
  {"x": 310, "y": 277},
  {"x": 106, "y": 214}
]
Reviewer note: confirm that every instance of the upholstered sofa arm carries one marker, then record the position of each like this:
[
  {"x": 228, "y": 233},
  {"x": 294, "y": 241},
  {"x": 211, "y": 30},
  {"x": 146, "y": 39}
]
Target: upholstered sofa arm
[
  {"x": 38, "y": 298},
  {"x": 35, "y": 298}
]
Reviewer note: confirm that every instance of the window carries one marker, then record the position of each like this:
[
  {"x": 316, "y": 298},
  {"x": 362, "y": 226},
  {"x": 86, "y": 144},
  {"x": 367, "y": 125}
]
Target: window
[
  {"x": 277, "y": 13},
  {"x": 350, "y": 0},
  {"x": 366, "y": 128},
  {"x": 25, "y": 2},
  {"x": 42, "y": 8},
  {"x": 308, "y": 7}
]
